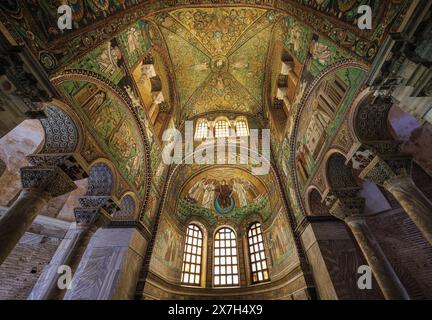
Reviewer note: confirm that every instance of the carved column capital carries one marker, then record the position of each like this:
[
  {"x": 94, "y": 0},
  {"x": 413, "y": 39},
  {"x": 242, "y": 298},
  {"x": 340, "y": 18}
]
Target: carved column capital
[
  {"x": 383, "y": 168},
  {"x": 104, "y": 202},
  {"x": 346, "y": 208},
  {"x": 51, "y": 180},
  {"x": 71, "y": 163},
  {"x": 88, "y": 216}
]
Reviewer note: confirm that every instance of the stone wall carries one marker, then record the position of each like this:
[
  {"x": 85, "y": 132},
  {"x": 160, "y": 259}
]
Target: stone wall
[
  {"x": 290, "y": 287},
  {"x": 407, "y": 250},
  {"x": 334, "y": 259},
  {"x": 22, "y": 268}
]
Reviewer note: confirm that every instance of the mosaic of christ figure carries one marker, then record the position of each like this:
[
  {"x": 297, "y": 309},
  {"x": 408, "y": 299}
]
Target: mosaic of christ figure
[{"x": 224, "y": 195}]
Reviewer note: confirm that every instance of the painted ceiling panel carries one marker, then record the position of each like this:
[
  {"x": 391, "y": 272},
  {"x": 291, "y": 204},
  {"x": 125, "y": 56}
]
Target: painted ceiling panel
[
  {"x": 222, "y": 92},
  {"x": 248, "y": 62},
  {"x": 218, "y": 55},
  {"x": 217, "y": 28},
  {"x": 189, "y": 63}
]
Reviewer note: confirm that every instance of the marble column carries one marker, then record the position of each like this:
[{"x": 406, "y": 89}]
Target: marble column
[
  {"x": 67, "y": 253},
  {"x": 413, "y": 201},
  {"x": 95, "y": 212},
  {"x": 350, "y": 210},
  {"x": 110, "y": 266},
  {"x": 325, "y": 240},
  {"x": 393, "y": 175},
  {"x": 39, "y": 185}
]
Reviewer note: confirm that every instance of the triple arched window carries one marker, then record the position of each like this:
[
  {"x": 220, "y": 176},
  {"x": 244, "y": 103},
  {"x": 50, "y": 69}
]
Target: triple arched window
[
  {"x": 225, "y": 263},
  {"x": 222, "y": 127}
]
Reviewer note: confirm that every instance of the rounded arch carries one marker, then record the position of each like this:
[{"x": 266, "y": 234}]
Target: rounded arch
[
  {"x": 325, "y": 162},
  {"x": 361, "y": 97},
  {"x": 202, "y": 128},
  {"x": 253, "y": 153},
  {"x": 185, "y": 200},
  {"x": 338, "y": 174},
  {"x": 307, "y": 96},
  {"x": 313, "y": 197},
  {"x": 227, "y": 226},
  {"x": 61, "y": 133},
  {"x": 371, "y": 119},
  {"x": 258, "y": 267},
  {"x": 194, "y": 265},
  {"x": 71, "y": 113},
  {"x": 241, "y": 126},
  {"x": 226, "y": 255},
  {"x": 316, "y": 207},
  {"x": 168, "y": 203},
  {"x": 100, "y": 181},
  {"x": 222, "y": 118},
  {"x": 249, "y": 221},
  {"x": 138, "y": 118},
  {"x": 201, "y": 222},
  {"x": 222, "y": 127},
  {"x": 128, "y": 207}
]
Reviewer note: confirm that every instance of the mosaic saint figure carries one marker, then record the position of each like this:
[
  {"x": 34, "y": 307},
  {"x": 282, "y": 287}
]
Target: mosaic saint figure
[
  {"x": 171, "y": 246},
  {"x": 320, "y": 52},
  {"x": 241, "y": 192},
  {"x": 209, "y": 194},
  {"x": 296, "y": 37},
  {"x": 197, "y": 190},
  {"x": 108, "y": 59},
  {"x": 133, "y": 39}
]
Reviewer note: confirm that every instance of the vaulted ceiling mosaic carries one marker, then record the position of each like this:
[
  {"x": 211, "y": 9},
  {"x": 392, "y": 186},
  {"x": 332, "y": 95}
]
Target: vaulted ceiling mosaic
[{"x": 218, "y": 55}]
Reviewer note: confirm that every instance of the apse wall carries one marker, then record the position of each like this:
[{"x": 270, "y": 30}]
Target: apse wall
[{"x": 164, "y": 277}]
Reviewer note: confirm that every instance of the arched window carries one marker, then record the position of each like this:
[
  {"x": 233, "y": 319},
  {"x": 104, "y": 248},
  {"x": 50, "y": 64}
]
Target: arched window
[
  {"x": 202, "y": 129},
  {"x": 258, "y": 262},
  {"x": 242, "y": 129},
  {"x": 226, "y": 272},
  {"x": 192, "y": 256},
  {"x": 222, "y": 129}
]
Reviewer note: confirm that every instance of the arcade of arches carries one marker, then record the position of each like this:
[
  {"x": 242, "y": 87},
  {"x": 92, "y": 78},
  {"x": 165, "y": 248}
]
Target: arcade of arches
[{"x": 84, "y": 115}]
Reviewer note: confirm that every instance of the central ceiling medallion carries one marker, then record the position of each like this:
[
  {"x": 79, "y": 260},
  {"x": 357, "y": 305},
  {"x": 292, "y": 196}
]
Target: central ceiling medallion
[{"x": 219, "y": 64}]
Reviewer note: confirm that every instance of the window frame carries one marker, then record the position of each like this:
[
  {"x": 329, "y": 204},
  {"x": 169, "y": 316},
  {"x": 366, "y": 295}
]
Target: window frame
[
  {"x": 225, "y": 256},
  {"x": 197, "y": 127},
  {"x": 246, "y": 126},
  {"x": 227, "y": 130},
  {"x": 254, "y": 264},
  {"x": 201, "y": 272}
]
